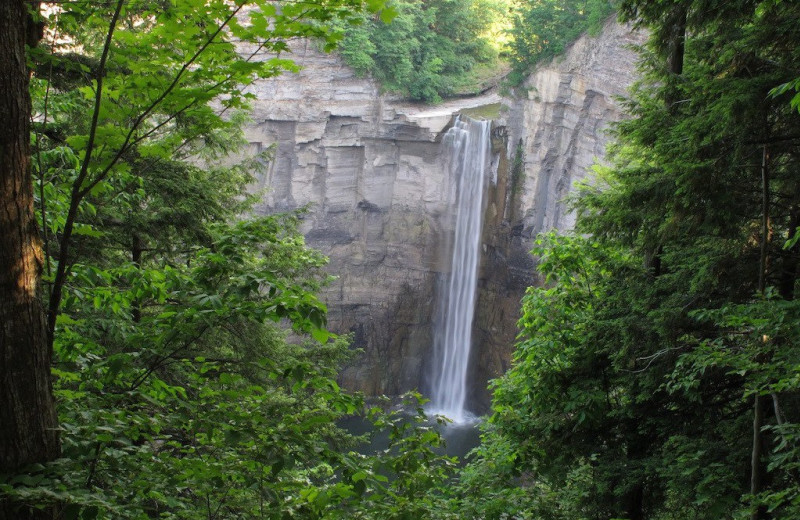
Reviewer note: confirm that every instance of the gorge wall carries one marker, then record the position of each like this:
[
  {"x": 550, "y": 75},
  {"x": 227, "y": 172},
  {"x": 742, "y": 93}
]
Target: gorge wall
[{"x": 368, "y": 167}]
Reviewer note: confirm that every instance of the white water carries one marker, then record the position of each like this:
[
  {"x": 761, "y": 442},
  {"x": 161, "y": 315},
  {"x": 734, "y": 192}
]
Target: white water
[{"x": 466, "y": 147}]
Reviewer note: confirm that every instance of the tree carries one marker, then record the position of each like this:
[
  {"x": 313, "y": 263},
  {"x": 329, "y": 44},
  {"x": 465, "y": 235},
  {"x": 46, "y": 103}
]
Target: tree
[
  {"x": 28, "y": 425},
  {"x": 652, "y": 375},
  {"x": 146, "y": 84}
]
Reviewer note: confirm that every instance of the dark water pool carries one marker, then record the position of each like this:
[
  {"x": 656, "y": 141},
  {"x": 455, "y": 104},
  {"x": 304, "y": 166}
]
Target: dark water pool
[{"x": 460, "y": 439}]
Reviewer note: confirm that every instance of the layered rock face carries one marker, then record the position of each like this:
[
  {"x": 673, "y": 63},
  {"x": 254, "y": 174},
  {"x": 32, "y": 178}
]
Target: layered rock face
[
  {"x": 381, "y": 203},
  {"x": 563, "y": 121},
  {"x": 555, "y": 132}
]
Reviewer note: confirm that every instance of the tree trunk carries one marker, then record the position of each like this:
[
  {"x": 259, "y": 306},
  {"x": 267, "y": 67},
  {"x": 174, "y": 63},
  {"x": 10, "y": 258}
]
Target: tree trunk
[
  {"x": 676, "y": 46},
  {"x": 676, "y": 51},
  {"x": 756, "y": 471},
  {"x": 763, "y": 262},
  {"x": 28, "y": 422},
  {"x": 633, "y": 499}
]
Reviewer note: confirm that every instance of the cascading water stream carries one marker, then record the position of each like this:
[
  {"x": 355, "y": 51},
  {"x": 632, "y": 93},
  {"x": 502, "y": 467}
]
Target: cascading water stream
[{"x": 466, "y": 147}]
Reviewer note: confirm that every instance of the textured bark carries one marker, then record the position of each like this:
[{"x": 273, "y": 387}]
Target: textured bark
[
  {"x": 28, "y": 423},
  {"x": 676, "y": 47}
]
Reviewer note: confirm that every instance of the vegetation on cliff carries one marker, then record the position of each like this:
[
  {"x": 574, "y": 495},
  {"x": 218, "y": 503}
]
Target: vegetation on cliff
[
  {"x": 440, "y": 48},
  {"x": 429, "y": 50},
  {"x": 542, "y": 29}
]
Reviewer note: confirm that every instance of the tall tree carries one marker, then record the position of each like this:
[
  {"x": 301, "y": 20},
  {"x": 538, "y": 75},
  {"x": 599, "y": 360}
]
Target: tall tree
[
  {"x": 145, "y": 77},
  {"x": 675, "y": 312},
  {"x": 28, "y": 424}
]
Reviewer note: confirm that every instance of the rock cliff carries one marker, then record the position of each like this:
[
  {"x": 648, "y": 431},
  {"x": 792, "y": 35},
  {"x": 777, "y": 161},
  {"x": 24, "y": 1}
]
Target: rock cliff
[{"x": 368, "y": 167}]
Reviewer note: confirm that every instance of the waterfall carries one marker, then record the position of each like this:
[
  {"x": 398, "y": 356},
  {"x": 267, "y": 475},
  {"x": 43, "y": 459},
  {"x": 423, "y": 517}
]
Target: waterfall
[{"x": 466, "y": 149}]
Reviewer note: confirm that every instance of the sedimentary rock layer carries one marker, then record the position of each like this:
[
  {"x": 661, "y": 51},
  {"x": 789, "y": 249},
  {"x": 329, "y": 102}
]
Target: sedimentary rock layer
[{"x": 381, "y": 203}]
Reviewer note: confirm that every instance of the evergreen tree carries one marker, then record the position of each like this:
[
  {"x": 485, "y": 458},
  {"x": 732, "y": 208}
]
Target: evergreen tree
[{"x": 654, "y": 375}]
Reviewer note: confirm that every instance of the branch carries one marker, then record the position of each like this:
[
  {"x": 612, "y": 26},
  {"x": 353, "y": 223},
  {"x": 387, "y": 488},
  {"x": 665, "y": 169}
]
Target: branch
[
  {"x": 77, "y": 192},
  {"x": 58, "y": 284},
  {"x": 129, "y": 141},
  {"x": 159, "y": 362},
  {"x": 773, "y": 140}
]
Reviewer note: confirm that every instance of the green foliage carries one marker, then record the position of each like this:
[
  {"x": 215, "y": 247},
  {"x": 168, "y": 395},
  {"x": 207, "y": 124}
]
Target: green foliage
[
  {"x": 152, "y": 85},
  {"x": 757, "y": 342},
  {"x": 542, "y": 29},
  {"x": 427, "y": 51},
  {"x": 183, "y": 393},
  {"x": 638, "y": 362},
  {"x": 787, "y": 87},
  {"x": 409, "y": 477},
  {"x": 193, "y": 370}
]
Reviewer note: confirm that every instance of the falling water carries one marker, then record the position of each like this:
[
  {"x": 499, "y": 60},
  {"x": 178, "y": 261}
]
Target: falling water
[{"x": 466, "y": 147}]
